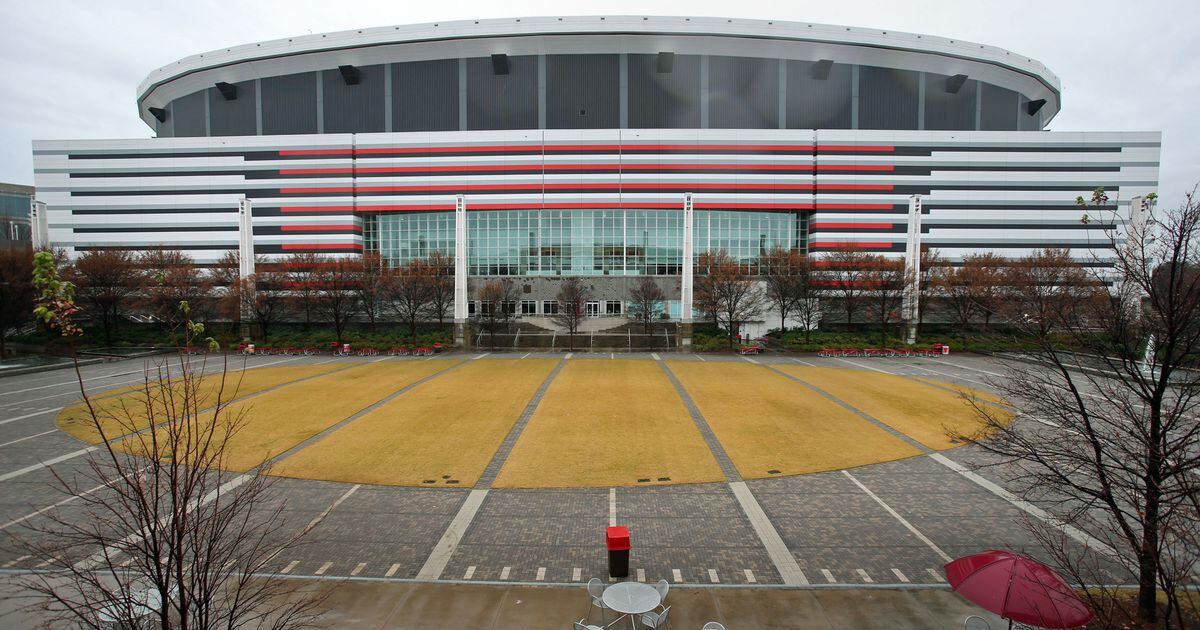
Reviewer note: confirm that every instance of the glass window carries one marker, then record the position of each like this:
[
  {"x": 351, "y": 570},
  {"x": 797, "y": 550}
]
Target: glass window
[
  {"x": 593, "y": 308},
  {"x": 528, "y": 307},
  {"x": 550, "y": 307},
  {"x": 612, "y": 307}
]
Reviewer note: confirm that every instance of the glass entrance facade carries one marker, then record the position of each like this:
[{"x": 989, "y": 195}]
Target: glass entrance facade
[{"x": 583, "y": 242}]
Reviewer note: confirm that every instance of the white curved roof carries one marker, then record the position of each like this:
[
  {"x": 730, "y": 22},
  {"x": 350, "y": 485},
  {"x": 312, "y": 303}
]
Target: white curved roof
[{"x": 685, "y": 35}]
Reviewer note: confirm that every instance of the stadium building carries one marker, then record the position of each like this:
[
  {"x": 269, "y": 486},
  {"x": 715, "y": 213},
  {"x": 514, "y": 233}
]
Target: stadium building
[{"x": 606, "y": 147}]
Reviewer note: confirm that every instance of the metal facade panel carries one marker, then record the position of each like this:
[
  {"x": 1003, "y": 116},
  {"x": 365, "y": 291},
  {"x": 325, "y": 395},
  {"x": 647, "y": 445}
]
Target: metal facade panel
[
  {"x": 887, "y": 98},
  {"x": 668, "y": 100},
  {"x": 425, "y": 95},
  {"x": 353, "y": 108},
  {"x": 502, "y": 101},
  {"x": 946, "y": 111},
  {"x": 236, "y": 117},
  {"x": 743, "y": 93},
  {"x": 814, "y": 103},
  {"x": 289, "y": 104},
  {"x": 188, "y": 116},
  {"x": 998, "y": 109},
  {"x": 583, "y": 92}
]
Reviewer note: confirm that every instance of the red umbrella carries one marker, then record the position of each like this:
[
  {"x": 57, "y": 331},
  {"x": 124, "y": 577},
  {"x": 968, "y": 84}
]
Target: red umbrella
[{"x": 1018, "y": 589}]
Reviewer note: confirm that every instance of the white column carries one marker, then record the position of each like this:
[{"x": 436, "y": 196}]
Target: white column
[
  {"x": 685, "y": 291},
  {"x": 912, "y": 269},
  {"x": 39, "y": 225},
  {"x": 460, "y": 260},
  {"x": 245, "y": 239}
]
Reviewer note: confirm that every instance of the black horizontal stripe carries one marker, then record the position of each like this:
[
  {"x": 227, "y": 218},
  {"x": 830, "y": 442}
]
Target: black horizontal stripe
[
  {"x": 146, "y": 211},
  {"x": 152, "y": 229},
  {"x": 131, "y": 247}
]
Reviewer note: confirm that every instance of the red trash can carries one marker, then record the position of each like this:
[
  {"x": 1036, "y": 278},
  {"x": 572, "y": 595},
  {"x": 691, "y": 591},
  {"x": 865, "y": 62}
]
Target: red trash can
[{"x": 617, "y": 541}]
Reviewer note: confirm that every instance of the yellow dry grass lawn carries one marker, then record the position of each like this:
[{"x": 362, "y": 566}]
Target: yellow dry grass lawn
[
  {"x": 276, "y": 421},
  {"x": 925, "y": 413},
  {"x": 445, "y": 430},
  {"x": 122, "y": 411},
  {"x": 609, "y": 423},
  {"x": 767, "y": 422}
]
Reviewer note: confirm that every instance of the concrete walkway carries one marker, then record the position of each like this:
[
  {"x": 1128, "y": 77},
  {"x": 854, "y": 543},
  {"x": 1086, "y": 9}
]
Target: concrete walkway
[{"x": 392, "y": 605}]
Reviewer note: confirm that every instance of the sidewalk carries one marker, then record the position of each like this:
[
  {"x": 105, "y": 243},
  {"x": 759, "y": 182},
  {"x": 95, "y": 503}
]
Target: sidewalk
[{"x": 392, "y": 605}]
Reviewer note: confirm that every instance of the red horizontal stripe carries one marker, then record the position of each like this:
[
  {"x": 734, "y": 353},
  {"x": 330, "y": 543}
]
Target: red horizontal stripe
[
  {"x": 852, "y": 226},
  {"x": 847, "y": 245},
  {"x": 550, "y": 168},
  {"x": 318, "y": 228},
  {"x": 564, "y": 187},
  {"x": 559, "y": 148},
  {"x": 324, "y": 246}
]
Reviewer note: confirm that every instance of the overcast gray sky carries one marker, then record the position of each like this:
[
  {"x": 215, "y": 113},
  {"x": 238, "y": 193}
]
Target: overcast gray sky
[{"x": 70, "y": 69}]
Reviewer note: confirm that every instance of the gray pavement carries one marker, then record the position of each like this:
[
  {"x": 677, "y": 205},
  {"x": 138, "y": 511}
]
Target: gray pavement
[{"x": 881, "y": 525}]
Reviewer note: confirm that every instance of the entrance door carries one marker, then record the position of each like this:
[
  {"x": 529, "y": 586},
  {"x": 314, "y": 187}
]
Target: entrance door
[{"x": 593, "y": 308}]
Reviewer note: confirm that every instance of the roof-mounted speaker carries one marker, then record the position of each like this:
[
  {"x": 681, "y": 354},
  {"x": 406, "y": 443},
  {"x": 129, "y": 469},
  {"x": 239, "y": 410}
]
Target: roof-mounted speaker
[
  {"x": 500, "y": 64},
  {"x": 666, "y": 62},
  {"x": 349, "y": 74},
  {"x": 227, "y": 90},
  {"x": 955, "y": 83},
  {"x": 821, "y": 69},
  {"x": 1033, "y": 107},
  {"x": 158, "y": 113}
]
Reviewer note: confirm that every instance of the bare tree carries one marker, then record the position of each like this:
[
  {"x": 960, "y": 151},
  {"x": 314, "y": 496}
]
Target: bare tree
[
  {"x": 372, "y": 284},
  {"x": 108, "y": 283},
  {"x": 704, "y": 294},
  {"x": 932, "y": 265},
  {"x": 736, "y": 296},
  {"x": 302, "y": 270},
  {"x": 440, "y": 270},
  {"x": 646, "y": 300},
  {"x": 496, "y": 298},
  {"x": 16, "y": 291},
  {"x": 259, "y": 296},
  {"x": 809, "y": 306},
  {"x": 336, "y": 300},
  {"x": 846, "y": 266},
  {"x": 170, "y": 537},
  {"x": 1117, "y": 445},
  {"x": 884, "y": 280},
  {"x": 572, "y": 304},
  {"x": 408, "y": 294},
  {"x": 168, "y": 277},
  {"x": 779, "y": 280}
]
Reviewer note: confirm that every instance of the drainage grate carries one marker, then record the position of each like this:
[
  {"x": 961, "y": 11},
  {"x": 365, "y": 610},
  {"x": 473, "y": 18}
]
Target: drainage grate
[
  {"x": 664, "y": 478},
  {"x": 772, "y": 472},
  {"x": 429, "y": 481},
  {"x": 643, "y": 481}
]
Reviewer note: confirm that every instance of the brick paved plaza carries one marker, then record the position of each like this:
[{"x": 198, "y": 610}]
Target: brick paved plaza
[{"x": 887, "y": 524}]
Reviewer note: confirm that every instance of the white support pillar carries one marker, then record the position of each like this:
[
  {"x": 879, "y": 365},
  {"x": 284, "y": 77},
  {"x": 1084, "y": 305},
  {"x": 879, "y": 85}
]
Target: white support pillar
[
  {"x": 39, "y": 225},
  {"x": 685, "y": 290},
  {"x": 912, "y": 271},
  {"x": 460, "y": 269},
  {"x": 245, "y": 239}
]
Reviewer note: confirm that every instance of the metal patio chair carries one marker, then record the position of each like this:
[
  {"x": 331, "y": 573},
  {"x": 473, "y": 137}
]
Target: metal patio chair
[
  {"x": 656, "y": 620},
  {"x": 595, "y": 590}
]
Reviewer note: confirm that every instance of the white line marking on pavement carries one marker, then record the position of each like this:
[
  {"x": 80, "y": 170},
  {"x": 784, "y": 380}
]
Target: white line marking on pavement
[
  {"x": 541, "y": 574},
  {"x": 828, "y": 576},
  {"x": 526, "y": 355},
  {"x": 46, "y": 563},
  {"x": 937, "y": 576},
  {"x": 712, "y": 576},
  {"x": 900, "y": 575},
  {"x": 750, "y": 577},
  {"x": 291, "y": 565},
  {"x": 576, "y": 574},
  {"x": 75, "y": 382},
  {"x": 358, "y": 568},
  {"x": 13, "y": 562},
  {"x": 866, "y": 367},
  {"x": 64, "y": 501},
  {"x": 951, "y": 376},
  {"x": 804, "y": 362},
  {"x": 478, "y": 357},
  {"x": 504, "y": 573},
  {"x": 641, "y": 575},
  {"x": 49, "y": 462},
  {"x": 677, "y": 575},
  {"x": 320, "y": 517},
  {"x": 612, "y": 507},
  {"x": 323, "y": 568},
  {"x": 379, "y": 359},
  {"x": 612, "y": 355},
  {"x": 783, "y": 559},
  {"x": 909, "y": 526},
  {"x": 654, "y": 355},
  {"x": 326, "y": 361},
  {"x": 700, "y": 357},
  {"x": 863, "y": 574},
  {"x": 28, "y": 415},
  {"x": 569, "y": 355},
  {"x": 1080, "y": 536},
  {"x": 967, "y": 367},
  {"x": 745, "y": 358},
  {"x": 470, "y": 572},
  {"x": 439, "y": 557},
  {"x": 392, "y": 570},
  {"x": 29, "y": 437}
]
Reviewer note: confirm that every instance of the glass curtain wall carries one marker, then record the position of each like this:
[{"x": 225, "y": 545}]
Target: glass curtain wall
[{"x": 583, "y": 242}]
